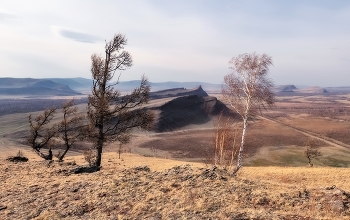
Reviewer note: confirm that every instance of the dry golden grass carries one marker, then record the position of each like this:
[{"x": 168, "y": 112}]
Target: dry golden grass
[
  {"x": 126, "y": 189},
  {"x": 129, "y": 160}
]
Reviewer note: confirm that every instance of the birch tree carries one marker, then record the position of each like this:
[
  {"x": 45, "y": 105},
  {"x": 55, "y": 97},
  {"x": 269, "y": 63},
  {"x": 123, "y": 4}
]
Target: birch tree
[{"x": 248, "y": 90}]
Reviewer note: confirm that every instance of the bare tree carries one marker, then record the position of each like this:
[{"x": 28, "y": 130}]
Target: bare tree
[
  {"x": 40, "y": 134},
  {"x": 112, "y": 115},
  {"x": 248, "y": 90},
  {"x": 311, "y": 152},
  {"x": 69, "y": 128}
]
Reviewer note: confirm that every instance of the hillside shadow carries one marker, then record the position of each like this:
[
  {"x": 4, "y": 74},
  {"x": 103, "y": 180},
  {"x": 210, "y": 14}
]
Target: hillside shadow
[{"x": 188, "y": 110}]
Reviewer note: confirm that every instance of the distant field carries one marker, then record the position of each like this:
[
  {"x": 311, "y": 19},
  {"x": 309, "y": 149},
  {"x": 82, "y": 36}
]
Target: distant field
[
  {"x": 27, "y": 105},
  {"x": 333, "y": 128}
]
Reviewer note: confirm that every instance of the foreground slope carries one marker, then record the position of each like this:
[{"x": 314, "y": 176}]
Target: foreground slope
[{"x": 137, "y": 187}]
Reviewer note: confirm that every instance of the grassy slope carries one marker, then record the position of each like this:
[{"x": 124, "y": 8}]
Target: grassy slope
[{"x": 34, "y": 190}]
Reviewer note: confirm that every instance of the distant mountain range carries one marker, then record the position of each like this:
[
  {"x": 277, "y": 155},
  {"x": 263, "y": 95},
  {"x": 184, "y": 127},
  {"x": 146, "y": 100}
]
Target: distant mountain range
[
  {"x": 76, "y": 86},
  {"x": 35, "y": 87}
]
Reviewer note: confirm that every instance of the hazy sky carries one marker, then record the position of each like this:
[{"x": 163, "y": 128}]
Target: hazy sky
[{"x": 178, "y": 40}]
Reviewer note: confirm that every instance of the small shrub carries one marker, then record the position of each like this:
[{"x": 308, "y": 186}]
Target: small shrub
[{"x": 311, "y": 152}]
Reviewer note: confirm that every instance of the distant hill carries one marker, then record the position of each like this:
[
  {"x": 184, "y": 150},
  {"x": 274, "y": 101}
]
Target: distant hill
[
  {"x": 130, "y": 85},
  {"x": 35, "y": 87},
  {"x": 314, "y": 89},
  {"x": 342, "y": 89},
  {"x": 285, "y": 88},
  {"x": 16, "y": 82},
  {"x": 83, "y": 85},
  {"x": 178, "y": 92},
  {"x": 74, "y": 83},
  {"x": 208, "y": 87}
]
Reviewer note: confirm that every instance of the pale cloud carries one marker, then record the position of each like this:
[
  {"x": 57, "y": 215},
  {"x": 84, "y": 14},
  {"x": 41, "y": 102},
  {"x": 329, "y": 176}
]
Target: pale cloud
[
  {"x": 178, "y": 40},
  {"x": 75, "y": 35}
]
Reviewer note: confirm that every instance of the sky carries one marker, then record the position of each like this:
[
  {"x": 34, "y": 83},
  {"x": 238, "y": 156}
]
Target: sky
[{"x": 182, "y": 40}]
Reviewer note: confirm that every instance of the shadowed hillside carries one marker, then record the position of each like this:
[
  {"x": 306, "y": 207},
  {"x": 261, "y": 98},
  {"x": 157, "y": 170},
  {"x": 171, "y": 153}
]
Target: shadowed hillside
[{"x": 188, "y": 110}]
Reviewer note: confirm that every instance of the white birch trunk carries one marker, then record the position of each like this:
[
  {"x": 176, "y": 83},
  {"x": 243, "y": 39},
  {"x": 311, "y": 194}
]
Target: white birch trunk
[{"x": 240, "y": 153}]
